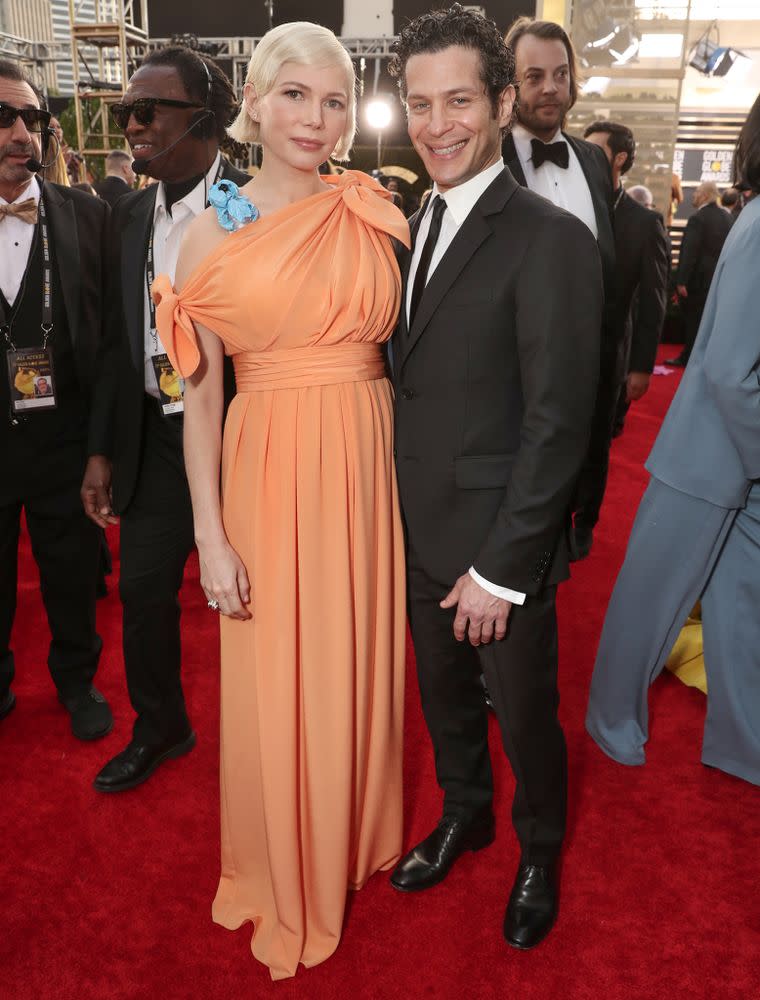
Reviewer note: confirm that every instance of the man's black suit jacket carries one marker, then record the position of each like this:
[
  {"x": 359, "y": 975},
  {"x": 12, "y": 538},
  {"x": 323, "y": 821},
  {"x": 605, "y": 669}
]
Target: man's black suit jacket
[
  {"x": 116, "y": 422},
  {"x": 495, "y": 387},
  {"x": 79, "y": 233},
  {"x": 703, "y": 240},
  {"x": 596, "y": 170},
  {"x": 643, "y": 265},
  {"x": 112, "y": 188}
]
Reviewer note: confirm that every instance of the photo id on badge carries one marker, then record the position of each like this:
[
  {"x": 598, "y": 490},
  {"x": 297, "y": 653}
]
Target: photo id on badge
[
  {"x": 31, "y": 379},
  {"x": 171, "y": 385}
]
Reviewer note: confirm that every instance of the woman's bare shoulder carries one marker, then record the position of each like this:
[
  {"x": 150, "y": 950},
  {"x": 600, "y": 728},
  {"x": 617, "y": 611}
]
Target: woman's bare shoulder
[{"x": 202, "y": 236}]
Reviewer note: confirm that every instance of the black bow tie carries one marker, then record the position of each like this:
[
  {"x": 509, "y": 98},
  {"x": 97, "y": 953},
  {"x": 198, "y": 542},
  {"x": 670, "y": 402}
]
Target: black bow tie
[{"x": 554, "y": 151}]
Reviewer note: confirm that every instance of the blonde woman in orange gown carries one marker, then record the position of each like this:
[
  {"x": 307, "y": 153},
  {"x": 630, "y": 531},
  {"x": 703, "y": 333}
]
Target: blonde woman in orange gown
[{"x": 303, "y": 551}]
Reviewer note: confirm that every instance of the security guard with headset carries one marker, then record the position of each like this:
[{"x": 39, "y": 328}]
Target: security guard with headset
[
  {"x": 52, "y": 242},
  {"x": 174, "y": 115}
]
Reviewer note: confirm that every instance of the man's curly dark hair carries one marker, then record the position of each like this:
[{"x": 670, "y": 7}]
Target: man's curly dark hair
[
  {"x": 440, "y": 29},
  {"x": 187, "y": 63}
]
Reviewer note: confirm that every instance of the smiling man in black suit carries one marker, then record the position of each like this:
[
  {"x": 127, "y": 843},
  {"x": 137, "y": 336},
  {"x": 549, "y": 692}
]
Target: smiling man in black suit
[
  {"x": 575, "y": 175},
  {"x": 495, "y": 369},
  {"x": 174, "y": 115}
]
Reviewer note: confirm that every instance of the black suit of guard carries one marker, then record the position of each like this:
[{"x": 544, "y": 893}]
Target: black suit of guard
[
  {"x": 703, "y": 239},
  {"x": 643, "y": 265},
  {"x": 44, "y": 453},
  {"x": 593, "y": 478},
  {"x": 495, "y": 387},
  {"x": 149, "y": 485}
]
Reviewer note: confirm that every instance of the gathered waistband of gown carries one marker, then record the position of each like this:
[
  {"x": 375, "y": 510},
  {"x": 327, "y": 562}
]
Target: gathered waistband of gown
[{"x": 298, "y": 367}]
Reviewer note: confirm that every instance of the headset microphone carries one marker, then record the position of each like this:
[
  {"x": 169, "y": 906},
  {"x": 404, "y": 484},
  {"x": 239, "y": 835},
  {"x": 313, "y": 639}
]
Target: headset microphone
[
  {"x": 33, "y": 164},
  {"x": 141, "y": 162}
]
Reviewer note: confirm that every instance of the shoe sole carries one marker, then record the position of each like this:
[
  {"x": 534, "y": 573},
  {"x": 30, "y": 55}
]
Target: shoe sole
[
  {"x": 528, "y": 947},
  {"x": 94, "y": 736},
  {"x": 89, "y": 736},
  {"x": 179, "y": 751},
  {"x": 477, "y": 846}
]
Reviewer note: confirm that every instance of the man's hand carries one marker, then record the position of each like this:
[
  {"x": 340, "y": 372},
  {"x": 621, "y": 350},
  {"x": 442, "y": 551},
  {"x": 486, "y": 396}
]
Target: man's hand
[
  {"x": 637, "y": 384},
  {"x": 96, "y": 491},
  {"x": 682, "y": 291},
  {"x": 486, "y": 614}
]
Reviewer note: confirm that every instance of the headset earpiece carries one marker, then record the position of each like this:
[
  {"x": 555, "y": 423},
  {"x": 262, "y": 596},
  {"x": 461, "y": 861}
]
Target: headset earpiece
[
  {"x": 202, "y": 122},
  {"x": 198, "y": 124}
]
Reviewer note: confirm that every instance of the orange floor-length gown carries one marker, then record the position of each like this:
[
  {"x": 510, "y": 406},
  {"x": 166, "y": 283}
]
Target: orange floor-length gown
[{"x": 312, "y": 686}]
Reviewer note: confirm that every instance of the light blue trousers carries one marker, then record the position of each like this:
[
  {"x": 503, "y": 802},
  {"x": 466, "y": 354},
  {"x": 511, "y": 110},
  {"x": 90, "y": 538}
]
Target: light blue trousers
[{"x": 682, "y": 549}]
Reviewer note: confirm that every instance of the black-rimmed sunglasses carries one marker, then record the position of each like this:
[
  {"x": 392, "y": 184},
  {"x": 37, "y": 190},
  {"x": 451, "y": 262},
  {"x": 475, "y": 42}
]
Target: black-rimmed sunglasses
[
  {"x": 35, "y": 119},
  {"x": 144, "y": 109}
]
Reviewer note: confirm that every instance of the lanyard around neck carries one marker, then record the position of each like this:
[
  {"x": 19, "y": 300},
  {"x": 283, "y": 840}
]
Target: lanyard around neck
[
  {"x": 42, "y": 233},
  {"x": 150, "y": 275}
]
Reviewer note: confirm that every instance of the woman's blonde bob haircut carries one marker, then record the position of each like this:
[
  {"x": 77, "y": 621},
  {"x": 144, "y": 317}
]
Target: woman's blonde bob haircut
[{"x": 298, "y": 42}]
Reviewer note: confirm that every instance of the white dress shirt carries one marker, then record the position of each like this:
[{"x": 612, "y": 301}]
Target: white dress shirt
[
  {"x": 460, "y": 201},
  {"x": 168, "y": 231},
  {"x": 15, "y": 245},
  {"x": 567, "y": 189}
]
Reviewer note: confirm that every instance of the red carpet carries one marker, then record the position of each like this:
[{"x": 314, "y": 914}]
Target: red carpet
[{"x": 108, "y": 898}]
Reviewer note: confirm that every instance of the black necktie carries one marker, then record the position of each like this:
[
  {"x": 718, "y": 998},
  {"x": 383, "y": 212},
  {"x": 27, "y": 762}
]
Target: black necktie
[
  {"x": 420, "y": 278},
  {"x": 554, "y": 151}
]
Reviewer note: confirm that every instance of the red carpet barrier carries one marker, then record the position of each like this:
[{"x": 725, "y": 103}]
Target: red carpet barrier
[{"x": 109, "y": 897}]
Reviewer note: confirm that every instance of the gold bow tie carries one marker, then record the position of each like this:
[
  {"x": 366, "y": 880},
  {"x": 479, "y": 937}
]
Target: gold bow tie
[{"x": 24, "y": 210}]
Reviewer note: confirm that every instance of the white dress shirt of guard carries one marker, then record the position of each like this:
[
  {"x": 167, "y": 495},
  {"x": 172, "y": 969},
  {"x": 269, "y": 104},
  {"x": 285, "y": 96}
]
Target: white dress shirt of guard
[{"x": 168, "y": 231}]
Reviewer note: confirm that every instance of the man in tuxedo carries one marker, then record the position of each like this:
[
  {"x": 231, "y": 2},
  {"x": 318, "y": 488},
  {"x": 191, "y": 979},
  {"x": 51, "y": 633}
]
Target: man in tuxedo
[
  {"x": 495, "y": 369},
  {"x": 174, "y": 115},
  {"x": 119, "y": 179},
  {"x": 703, "y": 240},
  {"x": 52, "y": 241},
  {"x": 574, "y": 175},
  {"x": 642, "y": 265}
]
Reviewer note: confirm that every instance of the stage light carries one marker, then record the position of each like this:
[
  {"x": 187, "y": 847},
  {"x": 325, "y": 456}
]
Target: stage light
[
  {"x": 378, "y": 113},
  {"x": 710, "y": 58}
]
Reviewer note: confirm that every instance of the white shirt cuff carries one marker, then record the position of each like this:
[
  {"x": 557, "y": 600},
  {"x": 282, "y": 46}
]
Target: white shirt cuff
[{"x": 513, "y": 596}]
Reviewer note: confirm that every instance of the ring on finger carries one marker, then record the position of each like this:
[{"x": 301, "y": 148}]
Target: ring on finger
[{"x": 213, "y": 604}]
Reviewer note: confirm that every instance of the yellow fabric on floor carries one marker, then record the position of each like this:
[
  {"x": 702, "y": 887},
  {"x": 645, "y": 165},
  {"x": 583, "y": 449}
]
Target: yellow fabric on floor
[{"x": 687, "y": 659}]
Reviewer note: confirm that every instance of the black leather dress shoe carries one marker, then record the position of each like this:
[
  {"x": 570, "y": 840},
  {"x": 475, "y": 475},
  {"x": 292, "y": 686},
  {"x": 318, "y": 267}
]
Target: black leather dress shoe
[
  {"x": 678, "y": 362},
  {"x": 90, "y": 715},
  {"x": 533, "y": 905},
  {"x": 136, "y": 764},
  {"x": 7, "y": 703},
  {"x": 430, "y": 861}
]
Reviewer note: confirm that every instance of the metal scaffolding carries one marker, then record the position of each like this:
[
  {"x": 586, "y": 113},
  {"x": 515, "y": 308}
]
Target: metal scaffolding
[
  {"x": 108, "y": 40},
  {"x": 32, "y": 55},
  {"x": 238, "y": 51}
]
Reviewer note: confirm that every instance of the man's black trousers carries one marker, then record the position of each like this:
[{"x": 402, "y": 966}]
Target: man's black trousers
[
  {"x": 156, "y": 540},
  {"x": 521, "y": 673}
]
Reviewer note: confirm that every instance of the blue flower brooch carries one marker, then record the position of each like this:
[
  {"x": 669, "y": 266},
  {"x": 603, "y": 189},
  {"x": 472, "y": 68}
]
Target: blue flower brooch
[{"x": 233, "y": 209}]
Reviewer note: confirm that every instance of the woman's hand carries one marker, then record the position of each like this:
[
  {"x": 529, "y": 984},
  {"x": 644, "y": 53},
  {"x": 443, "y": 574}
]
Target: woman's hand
[{"x": 224, "y": 579}]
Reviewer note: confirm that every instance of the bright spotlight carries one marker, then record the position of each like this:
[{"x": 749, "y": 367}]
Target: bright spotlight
[{"x": 378, "y": 113}]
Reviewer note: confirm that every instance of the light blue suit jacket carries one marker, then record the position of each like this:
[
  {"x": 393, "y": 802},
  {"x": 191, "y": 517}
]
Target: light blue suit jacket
[{"x": 709, "y": 443}]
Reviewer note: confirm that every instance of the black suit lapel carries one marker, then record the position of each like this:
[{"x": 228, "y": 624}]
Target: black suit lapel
[
  {"x": 472, "y": 234},
  {"x": 63, "y": 227},
  {"x": 401, "y": 333},
  {"x": 133, "y": 247},
  {"x": 512, "y": 160},
  {"x": 595, "y": 179}
]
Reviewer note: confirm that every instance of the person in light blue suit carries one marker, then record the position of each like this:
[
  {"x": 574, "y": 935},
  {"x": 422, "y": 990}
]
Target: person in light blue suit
[{"x": 697, "y": 530}]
